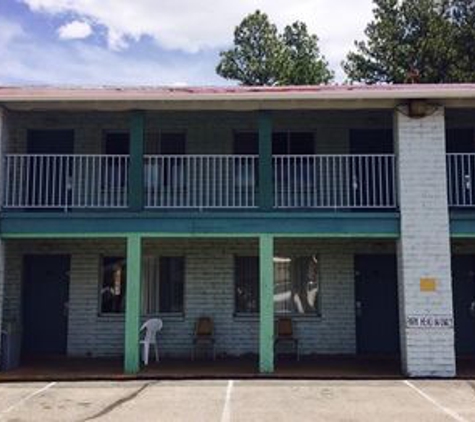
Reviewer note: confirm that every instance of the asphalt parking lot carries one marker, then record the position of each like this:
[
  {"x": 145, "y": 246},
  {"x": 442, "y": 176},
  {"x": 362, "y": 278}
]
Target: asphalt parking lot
[{"x": 246, "y": 400}]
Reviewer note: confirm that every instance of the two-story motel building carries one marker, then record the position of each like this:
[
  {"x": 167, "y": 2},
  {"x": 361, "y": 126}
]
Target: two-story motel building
[{"x": 347, "y": 208}]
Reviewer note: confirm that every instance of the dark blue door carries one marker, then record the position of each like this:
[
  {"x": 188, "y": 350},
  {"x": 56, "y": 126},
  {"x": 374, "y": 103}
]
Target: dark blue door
[
  {"x": 48, "y": 184},
  {"x": 463, "y": 290},
  {"x": 371, "y": 179},
  {"x": 377, "y": 321},
  {"x": 45, "y": 304}
]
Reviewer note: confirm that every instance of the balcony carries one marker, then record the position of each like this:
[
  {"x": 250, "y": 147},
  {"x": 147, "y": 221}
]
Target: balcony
[
  {"x": 461, "y": 180},
  {"x": 199, "y": 182}
]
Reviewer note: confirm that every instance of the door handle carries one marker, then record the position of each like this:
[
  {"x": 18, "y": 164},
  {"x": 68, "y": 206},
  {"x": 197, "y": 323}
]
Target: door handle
[{"x": 358, "y": 308}]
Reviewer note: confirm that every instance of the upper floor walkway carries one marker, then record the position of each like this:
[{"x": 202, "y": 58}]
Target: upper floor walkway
[{"x": 320, "y": 160}]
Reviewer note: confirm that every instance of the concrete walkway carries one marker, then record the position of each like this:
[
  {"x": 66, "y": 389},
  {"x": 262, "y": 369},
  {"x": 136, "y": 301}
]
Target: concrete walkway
[{"x": 245, "y": 400}]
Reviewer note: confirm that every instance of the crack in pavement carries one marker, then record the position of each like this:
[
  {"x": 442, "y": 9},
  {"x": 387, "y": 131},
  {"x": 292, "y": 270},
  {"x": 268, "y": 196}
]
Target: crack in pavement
[{"x": 119, "y": 402}]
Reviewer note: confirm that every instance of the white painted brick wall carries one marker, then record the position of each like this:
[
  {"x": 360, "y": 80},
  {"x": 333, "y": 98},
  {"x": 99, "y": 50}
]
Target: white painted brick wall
[
  {"x": 424, "y": 246},
  {"x": 208, "y": 291}
]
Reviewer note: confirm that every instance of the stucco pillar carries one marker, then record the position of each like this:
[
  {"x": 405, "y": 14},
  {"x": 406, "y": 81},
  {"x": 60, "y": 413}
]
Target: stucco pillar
[{"x": 424, "y": 265}]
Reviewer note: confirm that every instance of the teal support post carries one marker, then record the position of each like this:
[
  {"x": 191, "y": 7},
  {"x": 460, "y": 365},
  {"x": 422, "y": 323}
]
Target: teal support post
[
  {"x": 266, "y": 190},
  {"x": 132, "y": 304},
  {"x": 136, "y": 171},
  {"x": 266, "y": 310}
]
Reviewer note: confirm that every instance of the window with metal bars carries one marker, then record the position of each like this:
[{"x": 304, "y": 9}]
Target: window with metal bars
[{"x": 296, "y": 285}]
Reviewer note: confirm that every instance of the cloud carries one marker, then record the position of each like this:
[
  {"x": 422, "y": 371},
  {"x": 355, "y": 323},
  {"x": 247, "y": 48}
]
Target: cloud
[
  {"x": 28, "y": 60},
  {"x": 75, "y": 30},
  {"x": 194, "y": 25}
]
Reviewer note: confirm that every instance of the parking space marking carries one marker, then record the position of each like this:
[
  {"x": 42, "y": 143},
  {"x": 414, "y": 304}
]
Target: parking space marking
[
  {"x": 444, "y": 409},
  {"x": 226, "y": 415},
  {"x": 28, "y": 397}
]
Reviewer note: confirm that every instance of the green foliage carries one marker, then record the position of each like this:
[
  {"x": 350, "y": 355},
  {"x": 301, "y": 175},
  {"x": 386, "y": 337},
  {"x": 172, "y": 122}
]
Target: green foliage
[
  {"x": 262, "y": 56},
  {"x": 303, "y": 64},
  {"x": 426, "y": 41}
]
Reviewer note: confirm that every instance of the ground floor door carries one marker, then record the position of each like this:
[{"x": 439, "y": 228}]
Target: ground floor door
[
  {"x": 463, "y": 289},
  {"x": 377, "y": 327},
  {"x": 45, "y": 304}
]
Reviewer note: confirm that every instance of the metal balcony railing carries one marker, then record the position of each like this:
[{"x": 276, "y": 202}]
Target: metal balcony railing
[
  {"x": 335, "y": 181},
  {"x": 200, "y": 181},
  {"x": 43, "y": 181},
  {"x": 461, "y": 180},
  {"x": 33, "y": 181}
]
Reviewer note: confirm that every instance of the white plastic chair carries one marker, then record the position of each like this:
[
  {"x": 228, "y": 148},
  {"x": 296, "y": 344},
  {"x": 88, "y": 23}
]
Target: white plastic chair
[{"x": 151, "y": 328}]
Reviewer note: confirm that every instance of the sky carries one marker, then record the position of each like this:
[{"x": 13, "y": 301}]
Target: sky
[{"x": 152, "y": 42}]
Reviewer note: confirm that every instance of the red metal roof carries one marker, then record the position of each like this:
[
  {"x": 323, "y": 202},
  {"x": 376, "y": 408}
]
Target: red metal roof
[{"x": 224, "y": 93}]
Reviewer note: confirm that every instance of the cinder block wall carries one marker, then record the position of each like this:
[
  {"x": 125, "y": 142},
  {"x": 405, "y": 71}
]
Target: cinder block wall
[
  {"x": 206, "y": 132},
  {"x": 424, "y": 245},
  {"x": 209, "y": 290}
]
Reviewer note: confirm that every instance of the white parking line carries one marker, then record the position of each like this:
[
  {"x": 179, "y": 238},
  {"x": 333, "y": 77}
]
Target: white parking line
[
  {"x": 226, "y": 415},
  {"x": 24, "y": 399},
  {"x": 444, "y": 409}
]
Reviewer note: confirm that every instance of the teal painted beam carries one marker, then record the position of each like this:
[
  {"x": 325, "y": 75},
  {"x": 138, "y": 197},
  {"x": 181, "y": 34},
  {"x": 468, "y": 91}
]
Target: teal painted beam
[
  {"x": 136, "y": 167},
  {"x": 132, "y": 304},
  {"x": 266, "y": 190},
  {"x": 316, "y": 225},
  {"x": 266, "y": 304}
]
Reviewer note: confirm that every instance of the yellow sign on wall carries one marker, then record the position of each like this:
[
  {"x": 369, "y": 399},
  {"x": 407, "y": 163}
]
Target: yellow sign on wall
[{"x": 428, "y": 284}]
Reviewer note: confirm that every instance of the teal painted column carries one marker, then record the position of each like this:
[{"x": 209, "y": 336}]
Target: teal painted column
[
  {"x": 132, "y": 304},
  {"x": 266, "y": 297},
  {"x": 266, "y": 191},
  {"x": 136, "y": 176}
]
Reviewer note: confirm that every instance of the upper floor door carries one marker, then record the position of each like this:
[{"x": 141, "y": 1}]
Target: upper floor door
[
  {"x": 48, "y": 173},
  {"x": 372, "y": 168}
]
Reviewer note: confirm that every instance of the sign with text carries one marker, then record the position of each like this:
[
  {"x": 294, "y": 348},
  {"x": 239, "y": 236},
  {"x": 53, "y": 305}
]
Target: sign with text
[{"x": 429, "y": 321}]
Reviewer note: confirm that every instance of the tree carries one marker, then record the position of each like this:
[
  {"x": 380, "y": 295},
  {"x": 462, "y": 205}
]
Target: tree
[
  {"x": 256, "y": 58},
  {"x": 303, "y": 64},
  {"x": 262, "y": 56},
  {"x": 408, "y": 41},
  {"x": 463, "y": 16}
]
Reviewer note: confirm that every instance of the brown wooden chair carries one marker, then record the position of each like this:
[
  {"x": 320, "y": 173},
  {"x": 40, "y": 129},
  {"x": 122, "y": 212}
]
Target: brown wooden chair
[
  {"x": 284, "y": 334},
  {"x": 204, "y": 336}
]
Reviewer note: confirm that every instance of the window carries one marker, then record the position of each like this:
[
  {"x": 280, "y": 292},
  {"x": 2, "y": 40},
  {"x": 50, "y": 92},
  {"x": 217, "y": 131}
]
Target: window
[
  {"x": 283, "y": 143},
  {"x": 167, "y": 171},
  {"x": 371, "y": 141},
  {"x": 116, "y": 143},
  {"x": 162, "y": 289},
  {"x": 293, "y": 143},
  {"x": 113, "y": 285},
  {"x": 172, "y": 143},
  {"x": 246, "y": 143},
  {"x": 114, "y": 174},
  {"x": 163, "y": 285},
  {"x": 296, "y": 285},
  {"x": 246, "y": 273}
]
